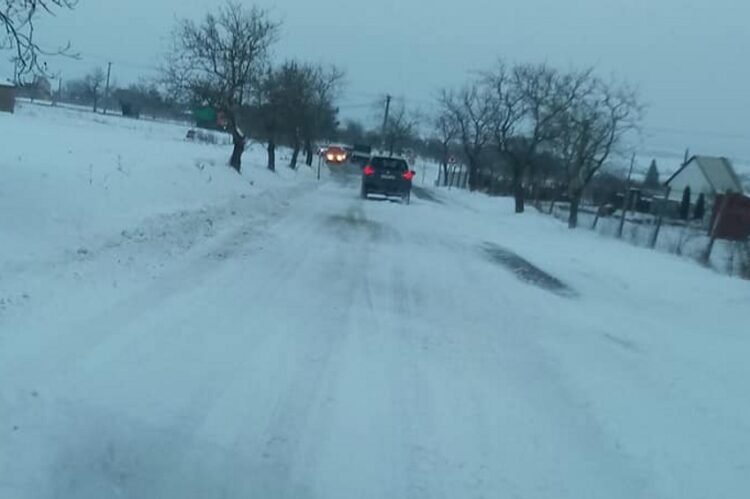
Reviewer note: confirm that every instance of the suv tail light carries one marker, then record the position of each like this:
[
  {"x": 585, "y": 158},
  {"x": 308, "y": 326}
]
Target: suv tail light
[
  {"x": 408, "y": 175},
  {"x": 368, "y": 170}
]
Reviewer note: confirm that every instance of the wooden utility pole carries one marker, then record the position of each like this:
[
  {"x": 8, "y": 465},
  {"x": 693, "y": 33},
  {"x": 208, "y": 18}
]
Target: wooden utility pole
[
  {"x": 626, "y": 198},
  {"x": 660, "y": 220},
  {"x": 385, "y": 120},
  {"x": 106, "y": 89}
]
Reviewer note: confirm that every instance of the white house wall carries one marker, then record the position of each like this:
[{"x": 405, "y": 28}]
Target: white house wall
[{"x": 693, "y": 176}]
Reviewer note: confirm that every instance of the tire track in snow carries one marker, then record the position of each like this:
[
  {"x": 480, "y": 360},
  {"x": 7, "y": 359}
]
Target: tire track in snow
[{"x": 295, "y": 428}]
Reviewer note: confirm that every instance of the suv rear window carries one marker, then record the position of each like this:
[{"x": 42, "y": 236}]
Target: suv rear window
[{"x": 393, "y": 164}]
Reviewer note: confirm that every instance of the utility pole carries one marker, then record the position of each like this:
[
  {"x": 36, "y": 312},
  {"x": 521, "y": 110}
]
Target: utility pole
[
  {"x": 106, "y": 90},
  {"x": 626, "y": 198},
  {"x": 385, "y": 119},
  {"x": 660, "y": 220}
]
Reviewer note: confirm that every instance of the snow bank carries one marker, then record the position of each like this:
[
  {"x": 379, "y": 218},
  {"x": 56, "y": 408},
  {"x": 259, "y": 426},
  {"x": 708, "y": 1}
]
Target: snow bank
[{"x": 71, "y": 178}]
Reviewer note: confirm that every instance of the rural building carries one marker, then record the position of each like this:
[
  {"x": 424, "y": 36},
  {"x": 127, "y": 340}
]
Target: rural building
[
  {"x": 7, "y": 96},
  {"x": 708, "y": 175}
]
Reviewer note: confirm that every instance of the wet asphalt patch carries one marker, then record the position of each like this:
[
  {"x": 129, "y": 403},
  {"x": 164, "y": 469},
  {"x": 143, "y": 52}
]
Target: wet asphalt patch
[{"x": 526, "y": 271}]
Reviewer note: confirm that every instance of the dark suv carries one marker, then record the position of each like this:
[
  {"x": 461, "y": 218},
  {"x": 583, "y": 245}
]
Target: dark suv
[{"x": 387, "y": 176}]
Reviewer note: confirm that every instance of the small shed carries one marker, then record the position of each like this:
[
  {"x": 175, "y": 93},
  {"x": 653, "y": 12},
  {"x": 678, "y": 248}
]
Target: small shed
[
  {"x": 7, "y": 96},
  {"x": 707, "y": 175}
]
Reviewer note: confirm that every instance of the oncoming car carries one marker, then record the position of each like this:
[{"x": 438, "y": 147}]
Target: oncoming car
[
  {"x": 387, "y": 176},
  {"x": 335, "y": 155}
]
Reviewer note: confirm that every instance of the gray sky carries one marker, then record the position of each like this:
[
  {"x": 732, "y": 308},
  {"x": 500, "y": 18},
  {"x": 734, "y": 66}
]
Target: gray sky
[{"x": 688, "y": 57}]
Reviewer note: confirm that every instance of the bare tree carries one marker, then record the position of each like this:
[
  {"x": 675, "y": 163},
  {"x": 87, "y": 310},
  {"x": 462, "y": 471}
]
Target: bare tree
[
  {"x": 220, "y": 60},
  {"x": 292, "y": 91},
  {"x": 589, "y": 132},
  {"x": 534, "y": 96},
  {"x": 471, "y": 109},
  {"x": 297, "y": 105},
  {"x": 93, "y": 83},
  {"x": 400, "y": 130},
  {"x": 509, "y": 108},
  {"x": 266, "y": 108},
  {"x": 446, "y": 131},
  {"x": 18, "y": 30},
  {"x": 322, "y": 117}
]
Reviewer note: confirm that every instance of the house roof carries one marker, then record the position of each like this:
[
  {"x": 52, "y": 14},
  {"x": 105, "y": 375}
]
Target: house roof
[{"x": 718, "y": 172}]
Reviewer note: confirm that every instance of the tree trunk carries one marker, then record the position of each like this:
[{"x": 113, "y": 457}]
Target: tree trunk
[
  {"x": 96, "y": 102},
  {"x": 308, "y": 152},
  {"x": 235, "y": 161},
  {"x": 518, "y": 192},
  {"x": 471, "y": 174},
  {"x": 575, "y": 203},
  {"x": 271, "y": 149},
  {"x": 295, "y": 155},
  {"x": 518, "y": 196},
  {"x": 444, "y": 163}
]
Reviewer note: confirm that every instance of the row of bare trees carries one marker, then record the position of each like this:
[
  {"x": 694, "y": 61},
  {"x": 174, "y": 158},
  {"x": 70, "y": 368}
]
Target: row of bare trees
[
  {"x": 223, "y": 62},
  {"x": 523, "y": 111},
  {"x": 295, "y": 102},
  {"x": 220, "y": 61}
]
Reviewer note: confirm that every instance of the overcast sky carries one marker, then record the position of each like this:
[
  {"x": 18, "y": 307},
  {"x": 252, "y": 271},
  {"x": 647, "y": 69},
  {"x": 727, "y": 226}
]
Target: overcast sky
[{"x": 688, "y": 57}]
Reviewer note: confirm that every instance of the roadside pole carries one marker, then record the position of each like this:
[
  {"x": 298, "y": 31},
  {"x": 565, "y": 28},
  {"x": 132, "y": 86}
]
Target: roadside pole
[
  {"x": 385, "y": 120},
  {"x": 660, "y": 220},
  {"x": 320, "y": 160},
  {"x": 106, "y": 90},
  {"x": 626, "y": 198}
]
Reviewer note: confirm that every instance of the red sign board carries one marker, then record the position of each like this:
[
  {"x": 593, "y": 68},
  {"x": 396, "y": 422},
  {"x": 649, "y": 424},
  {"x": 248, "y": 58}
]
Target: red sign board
[{"x": 734, "y": 224}]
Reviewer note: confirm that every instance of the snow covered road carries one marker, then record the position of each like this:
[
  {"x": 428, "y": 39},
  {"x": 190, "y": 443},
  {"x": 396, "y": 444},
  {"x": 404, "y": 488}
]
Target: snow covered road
[{"x": 348, "y": 348}]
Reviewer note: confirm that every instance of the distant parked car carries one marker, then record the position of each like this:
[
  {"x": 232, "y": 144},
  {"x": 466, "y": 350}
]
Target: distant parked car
[{"x": 390, "y": 177}]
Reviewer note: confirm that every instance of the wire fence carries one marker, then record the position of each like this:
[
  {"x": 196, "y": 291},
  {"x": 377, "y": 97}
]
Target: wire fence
[{"x": 689, "y": 239}]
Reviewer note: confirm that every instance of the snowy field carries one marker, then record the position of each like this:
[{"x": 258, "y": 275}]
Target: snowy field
[{"x": 169, "y": 329}]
